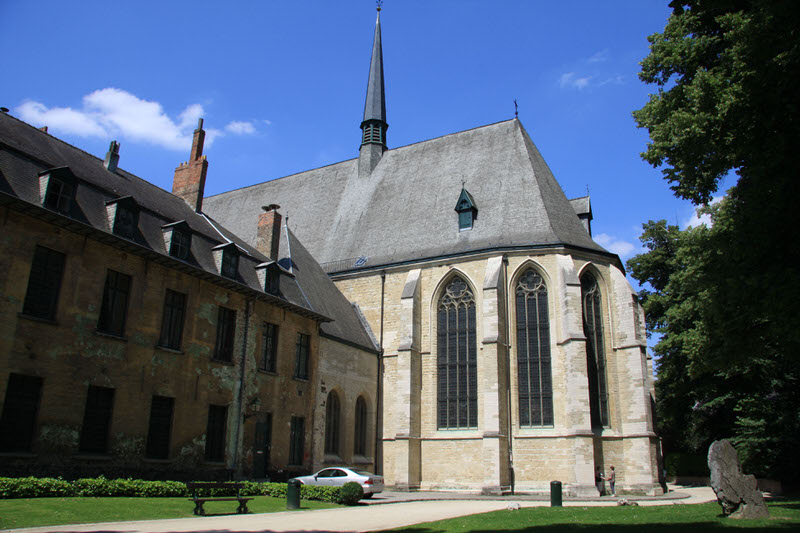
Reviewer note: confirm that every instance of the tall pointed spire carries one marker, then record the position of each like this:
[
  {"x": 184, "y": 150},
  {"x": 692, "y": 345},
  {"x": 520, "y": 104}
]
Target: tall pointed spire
[{"x": 374, "y": 126}]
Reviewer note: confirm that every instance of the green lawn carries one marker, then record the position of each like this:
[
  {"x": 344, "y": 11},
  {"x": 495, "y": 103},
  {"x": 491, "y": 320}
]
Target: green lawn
[
  {"x": 32, "y": 512},
  {"x": 785, "y": 516}
]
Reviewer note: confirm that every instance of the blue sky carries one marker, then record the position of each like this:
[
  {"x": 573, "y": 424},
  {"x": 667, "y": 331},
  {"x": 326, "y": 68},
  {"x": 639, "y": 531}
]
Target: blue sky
[{"x": 281, "y": 86}]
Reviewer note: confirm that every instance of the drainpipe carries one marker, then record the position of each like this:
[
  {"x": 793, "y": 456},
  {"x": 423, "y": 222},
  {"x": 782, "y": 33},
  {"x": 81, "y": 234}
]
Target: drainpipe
[
  {"x": 237, "y": 435},
  {"x": 379, "y": 399},
  {"x": 509, "y": 425}
]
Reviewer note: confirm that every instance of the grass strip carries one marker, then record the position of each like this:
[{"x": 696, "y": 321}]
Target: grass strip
[
  {"x": 36, "y": 512},
  {"x": 785, "y": 516}
]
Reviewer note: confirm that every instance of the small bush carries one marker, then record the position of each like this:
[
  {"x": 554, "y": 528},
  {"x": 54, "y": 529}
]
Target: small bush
[{"x": 351, "y": 493}]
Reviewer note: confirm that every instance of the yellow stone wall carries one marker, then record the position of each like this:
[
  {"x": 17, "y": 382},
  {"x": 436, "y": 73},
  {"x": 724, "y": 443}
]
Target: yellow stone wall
[{"x": 419, "y": 455}]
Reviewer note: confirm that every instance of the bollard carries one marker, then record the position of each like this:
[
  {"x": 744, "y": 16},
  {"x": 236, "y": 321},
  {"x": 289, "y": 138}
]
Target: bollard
[
  {"x": 555, "y": 494},
  {"x": 293, "y": 494}
]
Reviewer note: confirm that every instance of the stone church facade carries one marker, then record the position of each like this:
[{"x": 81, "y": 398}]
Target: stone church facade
[{"x": 512, "y": 347}]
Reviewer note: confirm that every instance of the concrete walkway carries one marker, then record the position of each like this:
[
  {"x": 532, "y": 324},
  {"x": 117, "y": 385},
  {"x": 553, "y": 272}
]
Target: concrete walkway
[{"x": 382, "y": 513}]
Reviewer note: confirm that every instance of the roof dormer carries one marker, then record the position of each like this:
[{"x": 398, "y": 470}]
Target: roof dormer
[
  {"x": 226, "y": 257},
  {"x": 123, "y": 217},
  {"x": 269, "y": 275},
  {"x": 178, "y": 239},
  {"x": 57, "y": 189},
  {"x": 467, "y": 212}
]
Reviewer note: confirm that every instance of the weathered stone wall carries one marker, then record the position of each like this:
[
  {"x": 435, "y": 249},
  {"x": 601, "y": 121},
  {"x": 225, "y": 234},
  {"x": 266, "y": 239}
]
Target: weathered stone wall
[
  {"x": 70, "y": 355},
  {"x": 352, "y": 373}
]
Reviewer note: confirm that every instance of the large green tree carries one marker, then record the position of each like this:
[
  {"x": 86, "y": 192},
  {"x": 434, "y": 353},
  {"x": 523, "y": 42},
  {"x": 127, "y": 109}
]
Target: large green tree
[{"x": 726, "y": 298}]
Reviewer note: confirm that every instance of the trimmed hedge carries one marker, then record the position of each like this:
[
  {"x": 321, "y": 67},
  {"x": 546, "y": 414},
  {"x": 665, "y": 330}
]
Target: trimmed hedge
[{"x": 31, "y": 487}]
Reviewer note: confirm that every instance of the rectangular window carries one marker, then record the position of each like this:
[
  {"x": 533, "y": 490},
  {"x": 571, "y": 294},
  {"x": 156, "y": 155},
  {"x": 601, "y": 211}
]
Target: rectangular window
[
  {"x": 44, "y": 283},
  {"x": 115, "y": 304},
  {"x": 97, "y": 420},
  {"x": 226, "y": 328},
  {"x": 18, "y": 421},
  {"x": 269, "y": 347},
  {"x": 215, "y": 433},
  {"x": 297, "y": 440},
  {"x": 59, "y": 195},
  {"x": 158, "y": 434},
  {"x": 172, "y": 322},
  {"x": 301, "y": 356},
  {"x": 126, "y": 221},
  {"x": 230, "y": 264},
  {"x": 180, "y": 244}
]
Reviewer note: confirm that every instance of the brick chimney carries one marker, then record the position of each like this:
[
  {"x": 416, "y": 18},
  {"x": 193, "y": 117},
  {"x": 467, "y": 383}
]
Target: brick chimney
[
  {"x": 112, "y": 157},
  {"x": 190, "y": 177},
  {"x": 268, "y": 238}
]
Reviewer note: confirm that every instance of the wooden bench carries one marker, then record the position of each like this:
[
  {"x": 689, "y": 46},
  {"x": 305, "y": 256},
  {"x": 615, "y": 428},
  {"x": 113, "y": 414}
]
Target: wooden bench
[{"x": 196, "y": 486}]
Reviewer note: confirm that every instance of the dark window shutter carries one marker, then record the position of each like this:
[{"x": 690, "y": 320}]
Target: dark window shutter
[
  {"x": 115, "y": 303},
  {"x": 97, "y": 420},
  {"x": 44, "y": 283},
  {"x": 215, "y": 433},
  {"x": 158, "y": 435},
  {"x": 20, "y": 409}
]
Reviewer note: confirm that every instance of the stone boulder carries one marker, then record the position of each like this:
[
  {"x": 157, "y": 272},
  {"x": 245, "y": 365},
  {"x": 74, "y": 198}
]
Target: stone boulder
[{"x": 736, "y": 492}]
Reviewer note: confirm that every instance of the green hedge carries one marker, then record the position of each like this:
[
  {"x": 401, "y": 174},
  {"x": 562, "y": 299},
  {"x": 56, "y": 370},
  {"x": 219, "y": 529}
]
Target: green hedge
[{"x": 31, "y": 487}]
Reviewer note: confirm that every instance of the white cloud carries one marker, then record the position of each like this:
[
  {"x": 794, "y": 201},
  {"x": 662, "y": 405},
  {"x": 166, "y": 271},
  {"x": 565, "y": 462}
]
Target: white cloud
[
  {"x": 599, "y": 57},
  {"x": 570, "y": 79},
  {"x": 112, "y": 112},
  {"x": 623, "y": 249},
  {"x": 696, "y": 219},
  {"x": 240, "y": 128}
]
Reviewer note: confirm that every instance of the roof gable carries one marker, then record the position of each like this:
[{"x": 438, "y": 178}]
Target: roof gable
[{"x": 402, "y": 212}]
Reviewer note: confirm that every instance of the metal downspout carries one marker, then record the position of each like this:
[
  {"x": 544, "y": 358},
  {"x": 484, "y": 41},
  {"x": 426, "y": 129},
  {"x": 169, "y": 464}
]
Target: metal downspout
[
  {"x": 379, "y": 400},
  {"x": 237, "y": 436},
  {"x": 508, "y": 375}
]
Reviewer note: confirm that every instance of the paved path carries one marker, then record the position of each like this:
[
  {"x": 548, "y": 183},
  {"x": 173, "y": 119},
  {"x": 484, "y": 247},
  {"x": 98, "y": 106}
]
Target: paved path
[{"x": 374, "y": 517}]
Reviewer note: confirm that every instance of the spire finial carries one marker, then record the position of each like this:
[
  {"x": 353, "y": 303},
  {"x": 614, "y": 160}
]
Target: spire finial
[
  {"x": 379, "y": 4},
  {"x": 463, "y": 182},
  {"x": 516, "y": 109}
]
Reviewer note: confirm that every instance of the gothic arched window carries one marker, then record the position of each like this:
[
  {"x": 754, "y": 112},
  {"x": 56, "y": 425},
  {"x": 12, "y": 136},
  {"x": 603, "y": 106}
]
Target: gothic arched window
[
  {"x": 595, "y": 350},
  {"x": 332, "y": 410},
  {"x": 533, "y": 351},
  {"x": 457, "y": 374},
  {"x": 360, "y": 437}
]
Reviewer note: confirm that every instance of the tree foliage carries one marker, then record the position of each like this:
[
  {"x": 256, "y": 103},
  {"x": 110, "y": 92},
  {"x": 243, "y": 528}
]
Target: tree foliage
[{"x": 725, "y": 298}]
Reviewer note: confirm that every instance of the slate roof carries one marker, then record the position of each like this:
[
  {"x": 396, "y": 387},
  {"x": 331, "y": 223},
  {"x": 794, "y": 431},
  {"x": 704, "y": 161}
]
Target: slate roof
[
  {"x": 26, "y": 151},
  {"x": 403, "y": 211}
]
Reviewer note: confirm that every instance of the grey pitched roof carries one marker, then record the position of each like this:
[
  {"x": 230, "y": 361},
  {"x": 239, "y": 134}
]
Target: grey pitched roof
[
  {"x": 375, "y": 105},
  {"x": 582, "y": 205},
  {"x": 403, "y": 211},
  {"x": 26, "y": 151}
]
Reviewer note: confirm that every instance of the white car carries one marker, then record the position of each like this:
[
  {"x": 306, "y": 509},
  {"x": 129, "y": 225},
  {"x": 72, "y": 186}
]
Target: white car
[{"x": 338, "y": 476}]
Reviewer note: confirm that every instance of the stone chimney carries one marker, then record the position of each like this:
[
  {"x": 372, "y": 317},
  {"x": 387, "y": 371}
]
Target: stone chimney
[
  {"x": 268, "y": 238},
  {"x": 189, "y": 182},
  {"x": 112, "y": 157}
]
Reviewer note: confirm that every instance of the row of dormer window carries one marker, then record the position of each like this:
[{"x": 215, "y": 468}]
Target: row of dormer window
[{"x": 57, "y": 192}]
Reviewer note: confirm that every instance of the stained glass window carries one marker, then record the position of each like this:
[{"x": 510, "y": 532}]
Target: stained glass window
[
  {"x": 457, "y": 376},
  {"x": 533, "y": 352},
  {"x": 595, "y": 350}
]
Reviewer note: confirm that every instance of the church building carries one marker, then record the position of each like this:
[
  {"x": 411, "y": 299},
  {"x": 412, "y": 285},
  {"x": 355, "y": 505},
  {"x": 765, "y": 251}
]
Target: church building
[{"x": 512, "y": 347}]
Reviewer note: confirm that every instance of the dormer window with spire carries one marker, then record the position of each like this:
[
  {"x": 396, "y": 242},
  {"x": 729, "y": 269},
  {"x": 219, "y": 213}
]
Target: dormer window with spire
[
  {"x": 178, "y": 239},
  {"x": 226, "y": 256},
  {"x": 57, "y": 189},
  {"x": 123, "y": 216},
  {"x": 467, "y": 212}
]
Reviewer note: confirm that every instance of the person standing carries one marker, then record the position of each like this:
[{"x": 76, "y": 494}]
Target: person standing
[
  {"x": 612, "y": 481},
  {"x": 598, "y": 480}
]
